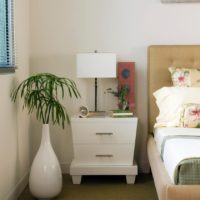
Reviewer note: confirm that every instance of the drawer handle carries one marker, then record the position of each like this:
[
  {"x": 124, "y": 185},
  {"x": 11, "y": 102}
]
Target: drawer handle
[
  {"x": 104, "y": 133},
  {"x": 104, "y": 155}
]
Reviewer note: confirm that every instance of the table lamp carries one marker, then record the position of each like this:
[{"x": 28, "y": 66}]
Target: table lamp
[{"x": 96, "y": 65}]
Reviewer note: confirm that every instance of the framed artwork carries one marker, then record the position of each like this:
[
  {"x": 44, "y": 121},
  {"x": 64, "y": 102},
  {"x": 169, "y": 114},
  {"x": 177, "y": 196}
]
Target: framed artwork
[{"x": 179, "y": 1}]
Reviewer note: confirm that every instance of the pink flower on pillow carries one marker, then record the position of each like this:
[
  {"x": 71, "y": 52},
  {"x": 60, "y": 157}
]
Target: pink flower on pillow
[
  {"x": 196, "y": 114},
  {"x": 190, "y": 115},
  {"x": 181, "y": 78}
]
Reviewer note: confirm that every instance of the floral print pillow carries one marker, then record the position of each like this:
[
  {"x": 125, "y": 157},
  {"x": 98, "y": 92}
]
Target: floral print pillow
[
  {"x": 190, "y": 116},
  {"x": 185, "y": 77}
]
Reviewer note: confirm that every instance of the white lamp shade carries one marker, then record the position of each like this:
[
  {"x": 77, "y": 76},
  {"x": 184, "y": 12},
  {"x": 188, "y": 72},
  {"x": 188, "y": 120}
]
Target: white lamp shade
[{"x": 96, "y": 65}]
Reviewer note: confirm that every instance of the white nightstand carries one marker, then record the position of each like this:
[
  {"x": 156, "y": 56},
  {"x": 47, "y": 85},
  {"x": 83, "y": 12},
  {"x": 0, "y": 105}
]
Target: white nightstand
[{"x": 103, "y": 146}]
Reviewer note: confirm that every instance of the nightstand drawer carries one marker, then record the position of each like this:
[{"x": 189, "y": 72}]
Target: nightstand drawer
[
  {"x": 104, "y": 154},
  {"x": 103, "y": 132}
]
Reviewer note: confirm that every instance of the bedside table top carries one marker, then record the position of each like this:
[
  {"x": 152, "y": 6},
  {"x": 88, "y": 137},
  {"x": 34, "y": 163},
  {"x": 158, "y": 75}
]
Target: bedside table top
[{"x": 104, "y": 118}]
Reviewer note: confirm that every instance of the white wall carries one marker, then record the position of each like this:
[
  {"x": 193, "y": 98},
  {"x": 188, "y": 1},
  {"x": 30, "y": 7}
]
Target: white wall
[
  {"x": 14, "y": 125},
  {"x": 60, "y": 29}
]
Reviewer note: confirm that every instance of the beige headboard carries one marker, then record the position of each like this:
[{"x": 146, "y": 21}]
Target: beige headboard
[{"x": 160, "y": 57}]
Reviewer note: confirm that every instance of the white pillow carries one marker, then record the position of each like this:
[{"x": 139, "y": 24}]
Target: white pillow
[{"x": 170, "y": 100}]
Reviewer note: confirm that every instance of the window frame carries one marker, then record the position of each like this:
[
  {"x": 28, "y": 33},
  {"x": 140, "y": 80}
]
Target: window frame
[{"x": 10, "y": 67}]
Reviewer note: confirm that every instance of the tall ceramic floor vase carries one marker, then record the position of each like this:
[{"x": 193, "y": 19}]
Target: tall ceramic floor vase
[{"x": 45, "y": 179}]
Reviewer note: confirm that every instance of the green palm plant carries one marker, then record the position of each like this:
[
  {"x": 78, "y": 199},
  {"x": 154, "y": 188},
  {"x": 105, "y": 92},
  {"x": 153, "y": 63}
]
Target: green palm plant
[{"x": 40, "y": 94}]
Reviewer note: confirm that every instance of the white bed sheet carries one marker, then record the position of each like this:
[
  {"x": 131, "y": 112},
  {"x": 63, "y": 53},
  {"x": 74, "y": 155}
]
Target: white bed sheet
[{"x": 177, "y": 149}]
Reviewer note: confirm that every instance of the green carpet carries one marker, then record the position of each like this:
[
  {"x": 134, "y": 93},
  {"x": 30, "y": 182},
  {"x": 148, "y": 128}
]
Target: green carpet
[{"x": 104, "y": 188}]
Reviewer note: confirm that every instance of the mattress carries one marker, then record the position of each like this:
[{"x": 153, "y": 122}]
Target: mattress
[{"x": 179, "y": 149}]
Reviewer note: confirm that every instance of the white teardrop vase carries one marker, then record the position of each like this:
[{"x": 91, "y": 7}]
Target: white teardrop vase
[{"x": 45, "y": 179}]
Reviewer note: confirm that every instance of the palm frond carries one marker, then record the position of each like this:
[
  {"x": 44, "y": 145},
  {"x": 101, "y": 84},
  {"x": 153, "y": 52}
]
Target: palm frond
[{"x": 40, "y": 94}]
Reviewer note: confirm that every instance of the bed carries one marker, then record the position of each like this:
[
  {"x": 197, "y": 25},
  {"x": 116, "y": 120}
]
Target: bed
[{"x": 160, "y": 58}]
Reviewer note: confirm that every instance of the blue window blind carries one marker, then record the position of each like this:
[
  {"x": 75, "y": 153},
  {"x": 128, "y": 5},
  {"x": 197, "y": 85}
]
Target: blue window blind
[{"x": 7, "y": 57}]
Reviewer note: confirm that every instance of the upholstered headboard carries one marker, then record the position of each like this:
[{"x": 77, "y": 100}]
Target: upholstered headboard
[{"x": 160, "y": 57}]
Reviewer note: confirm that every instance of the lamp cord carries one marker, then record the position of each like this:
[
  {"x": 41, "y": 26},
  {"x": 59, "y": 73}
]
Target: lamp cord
[{"x": 95, "y": 94}]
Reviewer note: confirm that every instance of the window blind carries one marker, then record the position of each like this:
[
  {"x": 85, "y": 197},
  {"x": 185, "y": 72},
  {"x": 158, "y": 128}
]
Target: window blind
[{"x": 7, "y": 56}]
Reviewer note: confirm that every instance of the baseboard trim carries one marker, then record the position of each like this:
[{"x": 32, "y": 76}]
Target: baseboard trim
[{"x": 19, "y": 187}]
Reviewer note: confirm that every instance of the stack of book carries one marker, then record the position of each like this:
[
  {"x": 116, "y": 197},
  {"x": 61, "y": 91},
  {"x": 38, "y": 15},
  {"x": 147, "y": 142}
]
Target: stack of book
[{"x": 121, "y": 113}]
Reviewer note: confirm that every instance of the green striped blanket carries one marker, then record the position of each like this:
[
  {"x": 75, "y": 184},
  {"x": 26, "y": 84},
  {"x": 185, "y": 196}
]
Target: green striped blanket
[{"x": 187, "y": 171}]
